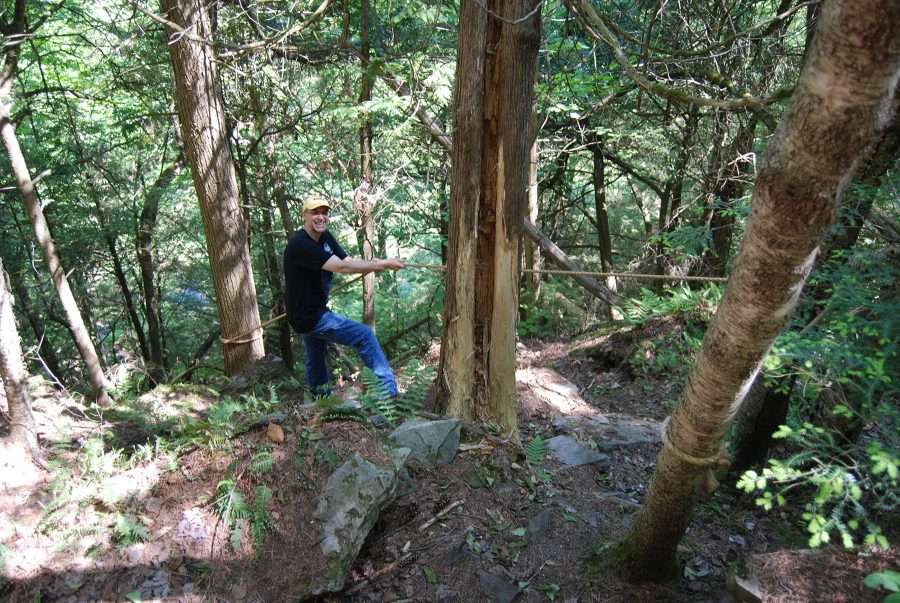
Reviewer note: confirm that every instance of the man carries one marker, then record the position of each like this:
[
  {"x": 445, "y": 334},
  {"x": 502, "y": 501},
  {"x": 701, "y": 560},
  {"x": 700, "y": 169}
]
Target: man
[{"x": 311, "y": 257}]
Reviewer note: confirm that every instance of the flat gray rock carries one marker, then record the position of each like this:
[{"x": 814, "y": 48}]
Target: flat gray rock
[
  {"x": 611, "y": 432},
  {"x": 430, "y": 442},
  {"x": 568, "y": 451}
]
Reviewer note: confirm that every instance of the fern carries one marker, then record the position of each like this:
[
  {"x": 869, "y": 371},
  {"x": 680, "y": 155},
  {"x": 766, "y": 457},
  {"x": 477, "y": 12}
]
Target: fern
[
  {"x": 260, "y": 521},
  {"x": 535, "y": 452},
  {"x": 129, "y": 530},
  {"x": 261, "y": 463}
]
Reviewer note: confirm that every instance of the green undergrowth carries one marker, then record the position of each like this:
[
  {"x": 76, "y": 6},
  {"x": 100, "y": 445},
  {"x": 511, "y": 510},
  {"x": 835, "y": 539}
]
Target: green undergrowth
[
  {"x": 682, "y": 315},
  {"x": 837, "y": 471}
]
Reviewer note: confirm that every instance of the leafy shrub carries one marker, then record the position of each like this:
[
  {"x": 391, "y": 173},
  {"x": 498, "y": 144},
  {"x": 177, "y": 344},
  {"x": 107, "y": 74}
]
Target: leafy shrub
[{"x": 840, "y": 462}]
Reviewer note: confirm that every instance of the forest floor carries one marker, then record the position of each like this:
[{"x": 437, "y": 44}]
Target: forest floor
[{"x": 506, "y": 536}]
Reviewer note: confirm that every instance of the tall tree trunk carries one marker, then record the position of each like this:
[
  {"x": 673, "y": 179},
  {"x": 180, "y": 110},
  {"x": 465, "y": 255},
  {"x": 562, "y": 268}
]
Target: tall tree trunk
[
  {"x": 147, "y": 265},
  {"x": 36, "y": 214},
  {"x": 362, "y": 201},
  {"x": 604, "y": 241},
  {"x": 23, "y": 430},
  {"x": 837, "y": 109},
  {"x": 201, "y": 113},
  {"x": 269, "y": 185},
  {"x": 494, "y": 87},
  {"x": 725, "y": 184}
]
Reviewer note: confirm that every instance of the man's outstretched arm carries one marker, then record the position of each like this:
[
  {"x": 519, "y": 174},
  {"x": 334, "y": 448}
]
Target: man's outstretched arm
[{"x": 350, "y": 265}]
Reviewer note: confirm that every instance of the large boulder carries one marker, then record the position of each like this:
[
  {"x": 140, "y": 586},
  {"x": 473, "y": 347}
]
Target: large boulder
[{"x": 354, "y": 497}]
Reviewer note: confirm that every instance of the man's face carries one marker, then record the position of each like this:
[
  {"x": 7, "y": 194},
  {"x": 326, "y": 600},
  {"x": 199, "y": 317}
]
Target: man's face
[{"x": 316, "y": 220}]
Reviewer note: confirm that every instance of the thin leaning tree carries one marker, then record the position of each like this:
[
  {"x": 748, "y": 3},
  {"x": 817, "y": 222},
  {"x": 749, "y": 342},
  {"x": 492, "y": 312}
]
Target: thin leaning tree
[
  {"x": 15, "y": 33},
  {"x": 841, "y": 103}
]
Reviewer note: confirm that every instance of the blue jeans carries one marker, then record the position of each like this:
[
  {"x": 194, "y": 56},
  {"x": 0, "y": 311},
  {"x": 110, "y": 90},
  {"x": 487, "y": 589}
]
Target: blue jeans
[{"x": 337, "y": 329}]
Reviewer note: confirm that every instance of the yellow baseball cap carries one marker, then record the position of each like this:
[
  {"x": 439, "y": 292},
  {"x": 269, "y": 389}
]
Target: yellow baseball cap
[{"x": 315, "y": 202}]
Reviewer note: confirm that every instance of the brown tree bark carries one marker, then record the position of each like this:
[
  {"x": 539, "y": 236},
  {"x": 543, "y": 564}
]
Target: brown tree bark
[
  {"x": 201, "y": 113},
  {"x": 23, "y": 430},
  {"x": 25, "y": 185},
  {"x": 44, "y": 347},
  {"x": 269, "y": 186},
  {"x": 494, "y": 88},
  {"x": 837, "y": 110}
]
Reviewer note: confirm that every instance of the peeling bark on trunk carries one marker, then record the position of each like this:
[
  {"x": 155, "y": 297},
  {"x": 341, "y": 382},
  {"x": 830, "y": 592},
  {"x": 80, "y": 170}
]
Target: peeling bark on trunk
[
  {"x": 838, "y": 108},
  {"x": 36, "y": 214},
  {"x": 23, "y": 431},
  {"x": 494, "y": 88},
  {"x": 756, "y": 423},
  {"x": 202, "y": 117}
]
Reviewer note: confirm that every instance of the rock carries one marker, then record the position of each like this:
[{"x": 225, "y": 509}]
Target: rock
[
  {"x": 610, "y": 433},
  {"x": 430, "y": 442},
  {"x": 539, "y": 524},
  {"x": 569, "y": 452},
  {"x": 275, "y": 433},
  {"x": 353, "y": 499},
  {"x": 496, "y": 587},
  {"x": 744, "y": 591}
]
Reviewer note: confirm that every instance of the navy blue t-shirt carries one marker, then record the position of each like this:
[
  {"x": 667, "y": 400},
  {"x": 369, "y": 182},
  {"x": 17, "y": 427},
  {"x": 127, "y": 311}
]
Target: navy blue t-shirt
[{"x": 306, "y": 284}]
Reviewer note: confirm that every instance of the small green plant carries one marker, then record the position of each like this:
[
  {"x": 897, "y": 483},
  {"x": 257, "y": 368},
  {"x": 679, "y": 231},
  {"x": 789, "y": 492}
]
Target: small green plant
[
  {"x": 535, "y": 452},
  {"x": 233, "y": 509},
  {"x": 888, "y": 580},
  {"x": 128, "y": 530},
  {"x": 550, "y": 590},
  {"x": 238, "y": 513},
  {"x": 843, "y": 488},
  {"x": 681, "y": 300},
  {"x": 261, "y": 463},
  {"x": 393, "y": 409}
]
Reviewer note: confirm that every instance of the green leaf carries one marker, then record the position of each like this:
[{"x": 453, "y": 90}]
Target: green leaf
[
  {"x": 551, "y": 590},
  {"x": 430, "y": 575},
  {"x": 887, "y": 579},
  {"x": 518, "y": 532}
]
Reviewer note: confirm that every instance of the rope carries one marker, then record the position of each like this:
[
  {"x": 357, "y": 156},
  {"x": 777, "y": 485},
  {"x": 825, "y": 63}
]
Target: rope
[
  {"x": 710, "y": 279},
  {"x": 698, "y": 461},
  {"x": 634, "y": 275},
  {"x": 237, "y": 339}
]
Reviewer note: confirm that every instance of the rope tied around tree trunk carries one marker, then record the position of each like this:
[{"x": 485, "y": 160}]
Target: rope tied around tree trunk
[
  {"x": 237, "y": 341},
  {"x": 720, "y": 460}
]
